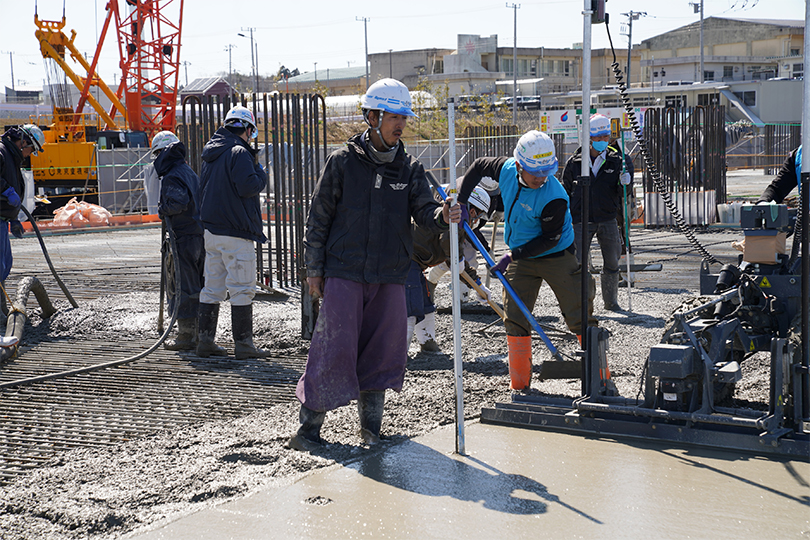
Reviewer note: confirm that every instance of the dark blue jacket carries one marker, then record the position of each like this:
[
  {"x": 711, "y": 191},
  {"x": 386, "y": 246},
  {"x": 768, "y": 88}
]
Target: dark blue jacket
[
  {"x": 10, "y": 176},
  {"x": 230, "y": 184},
  {"x": 179, "y": 185}
]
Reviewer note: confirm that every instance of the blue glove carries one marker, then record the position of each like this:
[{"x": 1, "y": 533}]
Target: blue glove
[
  {"x": 502, "y": 264},
  {"x": 12, "y": 197},
  {"x": 16, "y": 229}
]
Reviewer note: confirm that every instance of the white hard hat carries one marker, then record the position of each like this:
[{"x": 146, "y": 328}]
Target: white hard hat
[
  {"x": 388, "y": 95},
  {"x": 489, "y": 183},
  {"x": 161, "y": 141},
  {"x": 35, "y": 137},
  {"x": 240, "y": 116},
  {"x": 535, "y": 153},
  {"x": 479, "y": 198},
  {"x": 600, "y": 125}
]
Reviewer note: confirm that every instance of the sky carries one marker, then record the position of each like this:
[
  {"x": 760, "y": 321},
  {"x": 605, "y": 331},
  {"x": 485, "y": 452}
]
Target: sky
[{"x": 331, "y": 32}]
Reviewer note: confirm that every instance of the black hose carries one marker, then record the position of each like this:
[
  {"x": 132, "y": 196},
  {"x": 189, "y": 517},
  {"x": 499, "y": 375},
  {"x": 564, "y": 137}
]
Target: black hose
[
  {"x": 660, "y": 187},
  {"x": 48, "y": 258}
]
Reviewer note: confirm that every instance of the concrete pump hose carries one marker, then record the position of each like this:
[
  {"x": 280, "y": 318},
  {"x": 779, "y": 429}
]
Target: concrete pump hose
[{"x": 48, "y": 259}]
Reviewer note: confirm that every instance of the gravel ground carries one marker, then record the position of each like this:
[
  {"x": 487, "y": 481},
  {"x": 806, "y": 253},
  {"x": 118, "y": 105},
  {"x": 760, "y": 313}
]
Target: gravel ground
[{"x": 110, "y": 492}]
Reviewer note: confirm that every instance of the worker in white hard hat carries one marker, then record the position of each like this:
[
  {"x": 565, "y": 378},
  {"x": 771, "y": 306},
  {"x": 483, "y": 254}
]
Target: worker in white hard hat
[
  {"x": 178, "y": 207},
  {"x": 357, "y": 249},
  {"x": 431, "y": 252},
  {"x": 231, "y": 180},
  {"x": 540, "y": 237},
  {"x": 605, "y": 203},
  {"x": 16, "y": 145}
]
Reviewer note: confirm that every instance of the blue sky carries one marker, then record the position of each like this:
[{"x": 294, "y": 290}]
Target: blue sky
[{"x": 298, "y": 34}]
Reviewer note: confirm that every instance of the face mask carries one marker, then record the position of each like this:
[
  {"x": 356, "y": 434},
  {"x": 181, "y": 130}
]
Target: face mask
[{"x": 599, "y": 146}]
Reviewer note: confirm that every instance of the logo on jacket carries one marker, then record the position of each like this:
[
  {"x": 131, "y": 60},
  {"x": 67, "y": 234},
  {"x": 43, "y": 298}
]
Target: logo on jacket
[
  {"x": 608, "y": 171},
  {"x": 526, "y": 207},
  {"x": 398, "y": 187}
]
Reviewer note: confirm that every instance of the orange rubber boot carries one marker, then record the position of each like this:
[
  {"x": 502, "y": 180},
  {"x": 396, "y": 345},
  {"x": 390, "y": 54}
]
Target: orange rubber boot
[{"x": 520, "y": 361}]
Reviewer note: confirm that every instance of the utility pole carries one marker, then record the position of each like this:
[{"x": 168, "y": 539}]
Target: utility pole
[
  {"x": 514, "y": 7},
  {"x": 698, "y": 7},
  {"x": 365, "y": 32},
  {"x": 252, "y": 61},
  {"x": 631, "y": 16},
  {"x": 316, "y": 72},
  {"x": 390, "y": 64},
  {"x": 11, "y": 59},
  {"x": 230, "y": 66},
  {"x": 186, "y": 63}
]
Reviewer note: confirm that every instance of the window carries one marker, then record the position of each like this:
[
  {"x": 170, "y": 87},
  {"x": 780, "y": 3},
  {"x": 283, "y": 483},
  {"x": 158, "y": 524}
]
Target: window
[
  {"x": 794, "y": 52},
  {"x": 749, "y": 99},
  {"x": 507, "y": 65},
  {"x": 704, "y": 100},
  {"x": 708, "y": 75},
  {"x": 675, "y": 101},
  {"x": 798, "y": 70},
  {"x": 728, "y": 72}
]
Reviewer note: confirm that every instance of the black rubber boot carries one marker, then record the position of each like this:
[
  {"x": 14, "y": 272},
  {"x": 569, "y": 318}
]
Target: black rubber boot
[
  {"x": 207, "y": 330},
  {"x": 610, "y": 291},
  {"x": 186, "y": 339},
  {"x": 370, "y": 407},
  {"x": 242, "y": 321},
  {"x": 308, "y": 436}
]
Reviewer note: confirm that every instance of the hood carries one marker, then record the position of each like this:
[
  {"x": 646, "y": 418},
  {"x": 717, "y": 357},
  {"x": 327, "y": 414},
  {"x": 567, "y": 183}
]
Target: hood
[
  {"x": 357, "y": 144},
  {"x": 12, "y": 148},
  {"x": 170, "y": 157},
  {"x": 222, "y": 141}
]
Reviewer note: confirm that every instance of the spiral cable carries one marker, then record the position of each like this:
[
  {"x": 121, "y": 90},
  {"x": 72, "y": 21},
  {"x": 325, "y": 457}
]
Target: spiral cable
[{"x": 658, "y": 182}]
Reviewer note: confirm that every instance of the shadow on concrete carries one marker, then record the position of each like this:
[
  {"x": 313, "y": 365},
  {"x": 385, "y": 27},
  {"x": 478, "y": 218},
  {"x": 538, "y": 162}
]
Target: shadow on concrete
[{"x": 422, "y": 470}]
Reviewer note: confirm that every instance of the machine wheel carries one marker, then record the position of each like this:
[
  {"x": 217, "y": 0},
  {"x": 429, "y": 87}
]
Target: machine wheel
[{"x": 687, "y": 305}]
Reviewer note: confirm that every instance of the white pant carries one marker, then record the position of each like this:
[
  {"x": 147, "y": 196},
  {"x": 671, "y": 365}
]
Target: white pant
[{"x": 230, "y": 266}]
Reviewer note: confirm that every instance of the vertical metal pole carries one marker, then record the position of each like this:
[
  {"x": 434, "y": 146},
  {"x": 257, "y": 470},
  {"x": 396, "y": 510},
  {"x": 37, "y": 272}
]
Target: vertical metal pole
[
  {"x": 514, "y": 67},
  {"x": 454, "y": 271},
  {"x": 701, "y": 41},
  {"x": 629, "y": 47},
  {"x": 365, "y": 33},
  {"x": 585, "y": 178},
  {"x": 627, "y": 256},
  {"x": 804, "y": 187}
]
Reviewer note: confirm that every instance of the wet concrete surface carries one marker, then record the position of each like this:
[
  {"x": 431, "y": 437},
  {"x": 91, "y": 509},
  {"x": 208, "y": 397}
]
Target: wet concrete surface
[{"x": 516, "y": 483}]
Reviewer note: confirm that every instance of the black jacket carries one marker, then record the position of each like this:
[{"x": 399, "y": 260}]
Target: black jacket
[
  {"x": 230, "y": 184},
  {"x": 605, "y": 193},
  {"x": 10, "y": 176},
  {"x": 359, "y": 224},
  {"x": 179, "y": 185},
  {"x": 784, "y": 182}
]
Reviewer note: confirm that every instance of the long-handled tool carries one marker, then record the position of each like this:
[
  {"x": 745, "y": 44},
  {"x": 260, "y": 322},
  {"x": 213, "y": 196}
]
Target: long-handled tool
[
  {"x": 628, "y": 256},
  {"x": 471, "y": 282},
  {"x": 557, "y": 369}
]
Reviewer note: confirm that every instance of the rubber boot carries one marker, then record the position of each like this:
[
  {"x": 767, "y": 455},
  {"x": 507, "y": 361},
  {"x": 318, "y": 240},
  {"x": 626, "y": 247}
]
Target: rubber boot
[
  {"x": 308, "y": 436},
  {"x": 370, "y": 408},
  {"x": 186, "y": 339},
  {"x": 426, "y": 333},
  {"x": 520, "y": 361},
  {"x": 207, "y": 330},
  {"x": 610, "y": 291},
  {"x": 411, "y": 326},
  {"x": 242, "y": 324}
]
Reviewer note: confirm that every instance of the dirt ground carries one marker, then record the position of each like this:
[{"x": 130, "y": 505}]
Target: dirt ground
[{"x": 109, "y": 492}]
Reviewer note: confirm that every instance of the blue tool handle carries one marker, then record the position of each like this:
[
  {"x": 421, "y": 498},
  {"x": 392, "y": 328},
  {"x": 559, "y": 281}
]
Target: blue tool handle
[{"x": 491, "y": 263}]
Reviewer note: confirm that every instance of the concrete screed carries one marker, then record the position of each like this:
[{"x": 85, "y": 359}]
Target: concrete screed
[{"x": 185, "y": 483}]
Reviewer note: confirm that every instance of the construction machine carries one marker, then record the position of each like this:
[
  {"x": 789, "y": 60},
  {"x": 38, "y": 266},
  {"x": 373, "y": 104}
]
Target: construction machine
[{"x": 142, "y": 105}]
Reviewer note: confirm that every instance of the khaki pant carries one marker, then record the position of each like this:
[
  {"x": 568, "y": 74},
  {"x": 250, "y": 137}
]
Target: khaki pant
[
  {"x": 230, "y": 267},
  {"x": 563, "y": 276}
]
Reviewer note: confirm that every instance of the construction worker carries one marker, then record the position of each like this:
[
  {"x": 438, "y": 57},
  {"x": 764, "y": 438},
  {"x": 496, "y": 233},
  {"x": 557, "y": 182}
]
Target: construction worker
[
  {"x": 605, "y": 203},
  {"x": 540, "y": 237},
  {"x": 178, "y": 207},
  {"x": 357, "y": 250},
  {"x": 787, "y": 178},
  {"x": 16, "y": 144},
  {"x": 230, "y": 183},
  {"x": 432, "y": 250}
]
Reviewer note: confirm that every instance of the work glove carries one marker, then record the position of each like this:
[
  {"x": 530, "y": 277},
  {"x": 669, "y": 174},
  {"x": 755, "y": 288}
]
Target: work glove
[
  {"x": 12, "y": 197},
  {"x": 483, "y": 300},
  {"x": 16, "y": 229},
  {"x": 625, "y": 178},
  {"x": 465, "y": 216},
  {"x": 502, "y": 264}
]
